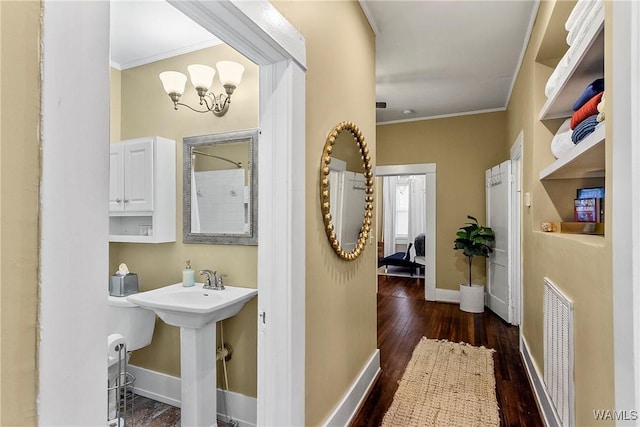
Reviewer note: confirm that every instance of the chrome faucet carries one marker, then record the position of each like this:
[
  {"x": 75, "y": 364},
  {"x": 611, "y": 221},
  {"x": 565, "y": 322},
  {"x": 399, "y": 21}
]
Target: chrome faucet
[
  {"x": 207, "y": 281},
  {"x": 212, "y": 281},
  {"x": 220, "y": 283}
]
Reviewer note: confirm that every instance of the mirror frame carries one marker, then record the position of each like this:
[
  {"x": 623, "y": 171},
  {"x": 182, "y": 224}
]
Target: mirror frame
[
  {"x": 325, "y": 205},
  {"x": 191, "y": 142}
]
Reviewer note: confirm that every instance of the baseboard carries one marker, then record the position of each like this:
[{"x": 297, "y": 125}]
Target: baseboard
[
  {"x": 355, "y": 397},
  {"x": 236, "y": 406},
  {"x": 156, "y": 385},
  {"x": 166, "y": 389},
  {"x": 549, "y": 416},
  {"x": 447, "y": 295}
]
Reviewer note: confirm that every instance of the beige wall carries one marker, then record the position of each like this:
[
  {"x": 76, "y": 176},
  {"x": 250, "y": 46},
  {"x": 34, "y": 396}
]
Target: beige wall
[
  {"x": 19, "y": 181},
  {"x": 147, "y": 110},
  {"x": 115, "y": 104},
  {"x": 340, "y": 295},
  {"x": 462, "y": 149},
  {"x": 579, "y": 265}
]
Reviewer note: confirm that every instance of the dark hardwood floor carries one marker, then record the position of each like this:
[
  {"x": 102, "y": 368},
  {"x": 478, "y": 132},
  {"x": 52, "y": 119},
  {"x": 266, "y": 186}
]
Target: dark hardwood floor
[{"x": 404, "y": 317}]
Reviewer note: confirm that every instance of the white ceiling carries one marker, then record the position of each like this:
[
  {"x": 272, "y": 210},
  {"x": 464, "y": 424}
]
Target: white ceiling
[
  {"x": 434, "y": 58},
  {"x": 147, "y": 31},
  {"x": 441, "y": 58}
]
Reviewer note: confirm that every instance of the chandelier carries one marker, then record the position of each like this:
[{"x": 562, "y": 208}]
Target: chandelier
[{"x": 229, "y": 73}]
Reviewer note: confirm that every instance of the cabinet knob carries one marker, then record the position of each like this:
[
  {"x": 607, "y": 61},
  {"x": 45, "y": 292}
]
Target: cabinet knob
[
  {"x": 118, "y": 200},
  {"x": 126, "y": 200}
]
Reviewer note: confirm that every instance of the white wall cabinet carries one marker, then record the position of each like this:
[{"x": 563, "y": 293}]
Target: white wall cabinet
[
  {"x": 131, "y": 179},
  {"x": 142, "y": 191}
]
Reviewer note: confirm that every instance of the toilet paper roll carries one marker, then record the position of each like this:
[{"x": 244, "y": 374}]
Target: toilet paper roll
[{"x": 115, "y": 342}]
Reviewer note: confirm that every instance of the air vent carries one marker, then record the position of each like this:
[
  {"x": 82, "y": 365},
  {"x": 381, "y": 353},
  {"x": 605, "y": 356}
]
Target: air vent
[{"x": 558, "y": 352}]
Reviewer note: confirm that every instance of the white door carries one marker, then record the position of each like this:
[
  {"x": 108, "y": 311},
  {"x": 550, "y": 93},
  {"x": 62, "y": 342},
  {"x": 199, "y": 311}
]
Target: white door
[
  {"x": 116, "y": 178},
  {"x": 498, "y": 196},
  {"x": 138, "y": 176}
]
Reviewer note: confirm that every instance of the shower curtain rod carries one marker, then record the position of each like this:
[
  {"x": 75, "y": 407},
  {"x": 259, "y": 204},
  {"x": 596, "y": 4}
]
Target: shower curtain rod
[{"x": 238, "y": 164}]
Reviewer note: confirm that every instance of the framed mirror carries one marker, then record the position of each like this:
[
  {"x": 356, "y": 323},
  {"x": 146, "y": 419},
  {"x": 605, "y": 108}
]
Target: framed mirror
[
  {"x": 220, "y": 186},
  {"x": 346, "y": 190}
]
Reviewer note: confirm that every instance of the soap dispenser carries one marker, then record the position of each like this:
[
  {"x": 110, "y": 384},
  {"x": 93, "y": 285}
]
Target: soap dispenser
[{"x": 188, "y": 275}]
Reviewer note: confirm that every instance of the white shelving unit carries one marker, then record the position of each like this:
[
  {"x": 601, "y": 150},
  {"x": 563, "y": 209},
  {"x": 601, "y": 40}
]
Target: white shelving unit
[
  {"x": 584, "y": 160},
  {"x": 586, "y": 65},
  {"x": 587, "y": 158}
]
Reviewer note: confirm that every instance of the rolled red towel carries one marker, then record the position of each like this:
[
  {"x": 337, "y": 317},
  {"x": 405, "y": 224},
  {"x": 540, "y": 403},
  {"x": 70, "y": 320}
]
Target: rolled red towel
[{"x": 588, "y": 109}]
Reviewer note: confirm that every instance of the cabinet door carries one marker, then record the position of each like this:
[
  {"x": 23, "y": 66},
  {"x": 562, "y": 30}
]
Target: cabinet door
[
  {"x": 116, "y": 178},
  {"x": 138, "y": 176}
]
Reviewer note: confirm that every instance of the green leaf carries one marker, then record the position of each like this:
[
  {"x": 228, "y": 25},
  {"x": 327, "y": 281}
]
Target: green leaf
[{"x": 473, "y": 240}]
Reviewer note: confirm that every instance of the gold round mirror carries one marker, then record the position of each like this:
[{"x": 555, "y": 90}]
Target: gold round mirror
[{"x": 346, "y": 190}]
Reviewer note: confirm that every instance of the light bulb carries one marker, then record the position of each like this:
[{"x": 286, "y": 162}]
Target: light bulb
[
  {"x": 201, "y": 75},
  {"x": 229, "y": 72},
  {"x": 173, "y": 82}
]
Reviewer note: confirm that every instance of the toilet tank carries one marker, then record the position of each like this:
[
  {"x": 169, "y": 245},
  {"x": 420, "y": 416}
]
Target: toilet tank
[{"x": 131, "y": 321}]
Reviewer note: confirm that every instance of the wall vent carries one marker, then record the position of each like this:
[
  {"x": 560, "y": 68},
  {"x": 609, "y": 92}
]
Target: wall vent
[{"x": 558, "y": 352}]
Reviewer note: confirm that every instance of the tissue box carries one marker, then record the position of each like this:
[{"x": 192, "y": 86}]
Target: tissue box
[{"x": 121, "y": 286}]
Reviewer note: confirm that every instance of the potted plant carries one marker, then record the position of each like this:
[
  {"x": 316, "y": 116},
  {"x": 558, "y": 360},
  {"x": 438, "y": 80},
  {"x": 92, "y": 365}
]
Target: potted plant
[{"x": 473, "y": 240}]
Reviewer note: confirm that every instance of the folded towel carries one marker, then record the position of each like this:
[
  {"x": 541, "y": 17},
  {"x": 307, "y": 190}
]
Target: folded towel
[
  {"x": 588, "y": 109},
  {"x": 589, "y": 92},
  {"x": 593, "y": 19},
  {"x": 585, "y": 128},
  {"x": 584, "y": 22},
  {"x": 561, "y": 142},
  {"x": 557, "y": 76},
  {"x": 601, "y": 109},
  {"x": 577, "y": 14}
]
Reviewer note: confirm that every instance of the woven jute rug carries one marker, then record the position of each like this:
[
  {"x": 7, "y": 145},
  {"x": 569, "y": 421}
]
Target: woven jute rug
[{"x": 446, "y": 384}]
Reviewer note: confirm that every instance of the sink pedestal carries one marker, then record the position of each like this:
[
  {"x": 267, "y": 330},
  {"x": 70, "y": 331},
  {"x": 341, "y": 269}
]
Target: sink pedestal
[
  {"x": 195, "y": 311},
  {"x": 198, "y": 376}
]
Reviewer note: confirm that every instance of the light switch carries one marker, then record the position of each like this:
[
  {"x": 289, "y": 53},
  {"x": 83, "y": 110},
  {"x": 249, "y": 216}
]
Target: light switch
[{"x": 527, "y": 199}]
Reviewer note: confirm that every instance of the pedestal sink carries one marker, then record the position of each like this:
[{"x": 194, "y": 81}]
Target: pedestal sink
[{"x": 196, "y": 310}]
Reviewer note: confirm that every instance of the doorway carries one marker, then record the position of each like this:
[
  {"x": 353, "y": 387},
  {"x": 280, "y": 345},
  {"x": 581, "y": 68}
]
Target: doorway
[
  {"x": 67, "y": 126},
  {"x": 255, "y": 33},
  {"x": 427, "y": 172},
  {"x": 504, "y": 265}
]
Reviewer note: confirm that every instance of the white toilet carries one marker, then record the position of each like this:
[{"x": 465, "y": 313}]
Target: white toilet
[
  {"x": 133, "y": 322},
  {"x": 132, "y": 325},
  {"x": 130, "y": 321}
]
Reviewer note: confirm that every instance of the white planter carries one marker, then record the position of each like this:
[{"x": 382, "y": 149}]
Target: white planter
[{"x": 472, "y": 298}]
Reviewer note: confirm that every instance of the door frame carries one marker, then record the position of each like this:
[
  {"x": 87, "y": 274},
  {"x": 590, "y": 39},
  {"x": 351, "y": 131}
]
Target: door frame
[
  {"x": 429, "y": 170},
  {"x": 259, "y": 32},
  {"x": 624, "y": 202},
  {"x": 515, "y": 232}
]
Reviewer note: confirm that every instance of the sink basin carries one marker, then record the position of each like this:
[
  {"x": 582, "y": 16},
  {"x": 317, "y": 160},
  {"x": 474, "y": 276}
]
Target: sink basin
[{"x": 193, "y": 307}]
